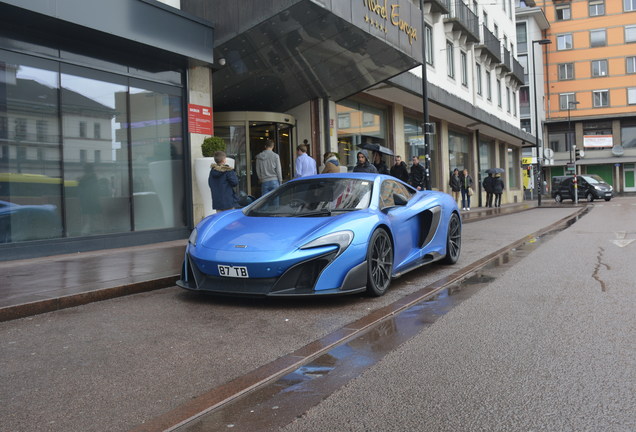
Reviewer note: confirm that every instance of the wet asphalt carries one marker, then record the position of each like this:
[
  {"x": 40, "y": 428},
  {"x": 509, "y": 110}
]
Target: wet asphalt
[
  {"x": 545, "y": 347},
  {"x": 118, "y": 364}
]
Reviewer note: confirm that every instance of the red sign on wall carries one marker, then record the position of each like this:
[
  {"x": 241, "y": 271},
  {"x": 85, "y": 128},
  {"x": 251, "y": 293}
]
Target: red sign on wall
[{"x": 200, "y": 119}]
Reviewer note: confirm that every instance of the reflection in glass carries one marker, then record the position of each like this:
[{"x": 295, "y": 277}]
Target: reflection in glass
[
  {"x": 30, "y": 183},
  {"x": 93, "y": 157},
  {"x": 235, "y": 141}
]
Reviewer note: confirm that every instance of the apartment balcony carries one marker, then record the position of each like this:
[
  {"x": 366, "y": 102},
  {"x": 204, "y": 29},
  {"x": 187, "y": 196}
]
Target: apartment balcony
[
  {"x": 463, "y": 20},
  {"x": 517, "y": 71},
  {"x": 505, "y": 64},
  {"x": 489, "y": 47},
  {"x": 439, "y": 6}
]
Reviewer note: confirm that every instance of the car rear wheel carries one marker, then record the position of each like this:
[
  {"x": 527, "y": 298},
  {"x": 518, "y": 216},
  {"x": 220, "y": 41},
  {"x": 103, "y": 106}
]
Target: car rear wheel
[
  {"x": 453, "y": 240},
  {"x": 558, "y": 198},
  {"x": 379, "y": 263}
]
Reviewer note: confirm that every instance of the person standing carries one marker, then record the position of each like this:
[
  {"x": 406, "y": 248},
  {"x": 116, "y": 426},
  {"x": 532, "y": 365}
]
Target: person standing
[
  {"x": 497, "y": 189},
  {"x": 332, "y": 164},
  {"x": 305, "y": 165},
  {"x": 399, "y": 170},
  {"x": 364, "y": 165},
  {"x": 487, "y": 184},
  {"x": 222, "y": 181},
  {"x": 466, "y": 189},
  {"x": 268, "y": 168},
  {"x": 455, "y": 184},
  {"x": 416, "y": 177},
  {"x": 379, "y": 163}
]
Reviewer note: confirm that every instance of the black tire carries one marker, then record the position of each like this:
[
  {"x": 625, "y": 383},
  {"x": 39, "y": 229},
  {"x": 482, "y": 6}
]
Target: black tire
[
  {"x": 607, "y": 199},
  {"x": 379, "y": 263},
  {"x": 589, "y": 197},
  {"x": 453, "y": 240},
  {"x": 558, "y": 198}
]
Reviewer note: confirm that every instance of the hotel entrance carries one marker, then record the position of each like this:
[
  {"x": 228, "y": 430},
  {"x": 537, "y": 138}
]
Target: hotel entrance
[{"x": 245, "y": 133}]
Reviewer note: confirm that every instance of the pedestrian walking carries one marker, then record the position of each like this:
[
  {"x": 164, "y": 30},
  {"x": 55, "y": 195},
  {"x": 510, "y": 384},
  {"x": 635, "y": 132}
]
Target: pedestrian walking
[
  {"x": 364, "y": 165},
  {"x": 466, "y": 189},
  {"x": 222, "y": 181},
  {"x": 268, "y": 168},
  {"x": 497, "y": 189},
  {"x": 379, "y": 163},
  {"x": 416, "y": 176},
  {"x": 399, "y": 169},
  {"x": 455, "y": 184},
  {"x": 488, "y": 184},
  {"x": 305, "y": 165},
  {"x": 332, "y": 164}
]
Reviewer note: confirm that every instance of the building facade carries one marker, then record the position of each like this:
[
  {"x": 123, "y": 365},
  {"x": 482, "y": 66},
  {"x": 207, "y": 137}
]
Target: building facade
[
  {"x": 591, "y": 89},
  {"x": 98, "y": 147}
]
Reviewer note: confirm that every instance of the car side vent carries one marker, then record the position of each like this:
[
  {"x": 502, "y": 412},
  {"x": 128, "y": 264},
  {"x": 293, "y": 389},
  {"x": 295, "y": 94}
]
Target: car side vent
[{"x": 429, "y": 221}]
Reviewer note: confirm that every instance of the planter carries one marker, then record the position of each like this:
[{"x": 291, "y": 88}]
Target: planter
[{"x": 202, "y": 172}]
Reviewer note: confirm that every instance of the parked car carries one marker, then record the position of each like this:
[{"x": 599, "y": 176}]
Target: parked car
[
  {"x": 330, "y": 234},
  {"x": 590, "y": 187},
  {"x": 28, "y": 222}
]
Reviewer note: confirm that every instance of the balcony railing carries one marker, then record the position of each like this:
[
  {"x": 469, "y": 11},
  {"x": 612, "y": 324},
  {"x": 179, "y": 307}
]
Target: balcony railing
[
  {"x": 463, "y": 20},
  {"x": 505, "y": 64},
  {"x": 517, "y": 71},
  {"x": 439, "y": 6},
  {"x": 490, "y": 45}
]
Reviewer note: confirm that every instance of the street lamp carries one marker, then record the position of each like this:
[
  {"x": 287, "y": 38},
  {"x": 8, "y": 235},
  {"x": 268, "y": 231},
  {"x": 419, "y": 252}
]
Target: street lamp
[
  {"x": 569, "y": 141},
  {"x": 425, "y": 126},
  {"x": 536, "y": 116}
]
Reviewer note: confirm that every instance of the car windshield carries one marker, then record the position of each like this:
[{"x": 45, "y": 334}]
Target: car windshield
[
  {"x": 593, "y": 179},
  {"x": 314, "y": 197}
]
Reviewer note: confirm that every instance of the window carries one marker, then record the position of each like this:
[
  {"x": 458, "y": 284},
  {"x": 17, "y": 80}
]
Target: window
[
  {"x": 631, "y": 64},
  {"x": 42, "y": 130},
  {"x": 20, "y": 128},
  {"x": 488, "y": 86},
  {"x": 629, "y": 5},
  {"x": 596, "y": 7},
  {"x": 82, "y": 129},
  {"x": 630, "y": 33},
  {"x": 429, "y": 45},
  {"x": 524, "y": 101},
  {"x": 523, "y": 61},
  {"x": 496, "y": 31},
  {"x": 464, "y": 65},
  {"x": 563, "y": 12},
  {"x": 485, "y": 19},
  {"x": 564, "y": 99},
  {"x": 344, "y": 120},
  {"x": 522, "y": 38},
  {"x": 631, "y": 95},
  {"x": 499, "y": 95},
  {"x": 450, "y": 59},
  {"x": 526, "y": 125},
  {"x": 564, "y": 42},
  {"x": 600, "y": 98},
  {"x": 508, "y": 99},
  {"x": 97, "y": 130},
  {"x": 83, "y": 156},
  {"x": 566, "y": 71},
  {"x": 598, "y": 38},
  {"x": 514, "y": 103},
  {"x": 368, "y": 119},
  {"x": 478, "y": 79},
  {"x": 599, "y": 68}
]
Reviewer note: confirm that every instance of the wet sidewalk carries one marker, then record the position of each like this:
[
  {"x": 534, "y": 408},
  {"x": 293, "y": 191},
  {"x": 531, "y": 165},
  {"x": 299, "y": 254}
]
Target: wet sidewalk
[{"x": 46, "y": 284}]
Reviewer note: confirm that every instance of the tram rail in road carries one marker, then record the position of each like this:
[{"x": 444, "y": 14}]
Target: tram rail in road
[{"x": 232, "y": 400}]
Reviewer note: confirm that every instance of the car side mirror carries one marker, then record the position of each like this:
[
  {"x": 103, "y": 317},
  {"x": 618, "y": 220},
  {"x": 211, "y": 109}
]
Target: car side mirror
[{"x": 399, "y": 199}]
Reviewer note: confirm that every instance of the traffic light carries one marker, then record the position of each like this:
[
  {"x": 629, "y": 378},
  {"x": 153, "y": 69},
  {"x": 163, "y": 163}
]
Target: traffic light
[{"x": 577, "y": 154}]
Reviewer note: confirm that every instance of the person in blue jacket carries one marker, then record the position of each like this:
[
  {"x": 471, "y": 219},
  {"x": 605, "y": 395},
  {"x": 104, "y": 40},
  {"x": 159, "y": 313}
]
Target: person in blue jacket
[{"x": 222, "y": 181}]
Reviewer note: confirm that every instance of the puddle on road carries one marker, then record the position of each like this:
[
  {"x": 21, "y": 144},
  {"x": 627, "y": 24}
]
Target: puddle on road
[{"x": 276, "y": 404}]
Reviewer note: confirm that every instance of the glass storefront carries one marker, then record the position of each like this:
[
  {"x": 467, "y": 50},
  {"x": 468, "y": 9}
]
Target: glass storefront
[
  {"x": 458, "y": 154},
  {"x": 414, "y": 140},
  {"x": 86, "y": 152},
  {"x": 357, "y": 124},
  {"x": 486, "y": 158}
]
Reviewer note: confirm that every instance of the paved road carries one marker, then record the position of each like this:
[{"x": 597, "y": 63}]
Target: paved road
[
  {"x": 545, "y": 347},
  {"x": 115, "y": 364}
]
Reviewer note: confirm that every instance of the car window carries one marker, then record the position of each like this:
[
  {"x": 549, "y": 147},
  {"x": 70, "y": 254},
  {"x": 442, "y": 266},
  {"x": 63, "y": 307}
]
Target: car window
[
  {"x": 314, "y": 197},
  {"x": 593, "y": 179},
  {"x": 390, "y": 187}
]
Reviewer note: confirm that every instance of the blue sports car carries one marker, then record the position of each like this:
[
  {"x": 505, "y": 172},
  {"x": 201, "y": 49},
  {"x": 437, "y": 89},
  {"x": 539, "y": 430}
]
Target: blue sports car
[{"x": 324, "y": 234}]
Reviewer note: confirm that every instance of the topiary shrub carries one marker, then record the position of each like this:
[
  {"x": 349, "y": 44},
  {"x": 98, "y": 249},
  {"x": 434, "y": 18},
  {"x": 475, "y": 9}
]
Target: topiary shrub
[{"x": 212, "y": 145}]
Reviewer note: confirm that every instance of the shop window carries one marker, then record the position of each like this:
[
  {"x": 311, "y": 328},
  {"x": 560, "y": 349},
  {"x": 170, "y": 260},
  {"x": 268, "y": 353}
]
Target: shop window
[
  {"x": 600, "y": 98},
  {"x": 458, "y": 150},
  {"x": 564, "y": 42},
  {"x": 513, "y": 167},
  {"x": 598, "y": 38},
  {"x": 566, "y": 71},
  {"x": 596, "y": 7},
  {"x": 366, "y": 123},
  {"x": 599, "y": 68}
]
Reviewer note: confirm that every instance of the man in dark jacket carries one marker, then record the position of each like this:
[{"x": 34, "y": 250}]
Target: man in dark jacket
[
  {"x": 488, "y": 184},
  {"x": 379, "y": 164},
  {"x": 364, "y": 165},
  {"x": 416, "y": 178},
  {"x": 497, "y": 189},
  {"x": 399, "y": 170},
  {"x": 222, "y": 181}
]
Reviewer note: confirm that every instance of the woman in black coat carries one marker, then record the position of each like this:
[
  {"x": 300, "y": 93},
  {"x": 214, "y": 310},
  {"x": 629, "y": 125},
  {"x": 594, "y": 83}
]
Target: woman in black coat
[{"x": 497, "y": 189}]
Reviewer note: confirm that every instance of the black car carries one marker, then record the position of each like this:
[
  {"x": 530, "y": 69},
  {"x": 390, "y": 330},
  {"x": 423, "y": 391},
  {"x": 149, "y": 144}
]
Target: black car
[{"x": 590, "y": 187}]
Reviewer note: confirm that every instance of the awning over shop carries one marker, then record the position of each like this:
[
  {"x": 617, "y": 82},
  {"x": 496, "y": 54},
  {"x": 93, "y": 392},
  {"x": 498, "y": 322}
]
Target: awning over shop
[{"x": 278, "y": 56}]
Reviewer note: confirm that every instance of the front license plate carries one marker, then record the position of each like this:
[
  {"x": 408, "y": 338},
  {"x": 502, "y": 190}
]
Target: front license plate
[{"x": 233, "y": 271}]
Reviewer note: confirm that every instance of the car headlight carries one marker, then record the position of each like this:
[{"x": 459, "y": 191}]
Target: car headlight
[
  {"x": 193, "y": 237},
  {"x": 342, "y": 239}
]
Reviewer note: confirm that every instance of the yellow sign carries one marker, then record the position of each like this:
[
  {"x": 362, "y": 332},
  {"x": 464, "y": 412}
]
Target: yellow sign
[{"x": 385, "y": 11}]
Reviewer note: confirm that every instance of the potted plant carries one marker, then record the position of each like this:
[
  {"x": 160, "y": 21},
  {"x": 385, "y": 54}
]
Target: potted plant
[{"x": 202, "y": 165}]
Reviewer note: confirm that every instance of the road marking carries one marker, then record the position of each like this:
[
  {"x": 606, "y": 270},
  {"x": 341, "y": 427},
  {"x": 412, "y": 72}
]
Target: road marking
[
  {"x": 622, "y": 243},
  {"x": 620, "y": 234}
]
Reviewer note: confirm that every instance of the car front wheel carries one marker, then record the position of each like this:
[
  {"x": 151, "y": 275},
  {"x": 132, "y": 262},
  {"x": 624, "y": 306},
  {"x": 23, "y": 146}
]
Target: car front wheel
[
  {"x": 379, "y": 263},
  {"x": 589, "y": 197},
  {"x": 558, "y": 198},
  {"x": 453, "y": 240}
]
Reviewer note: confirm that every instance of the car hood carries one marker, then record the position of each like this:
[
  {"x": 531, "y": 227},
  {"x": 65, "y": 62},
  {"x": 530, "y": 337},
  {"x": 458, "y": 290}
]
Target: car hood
[{"x": 230, "y": 232}]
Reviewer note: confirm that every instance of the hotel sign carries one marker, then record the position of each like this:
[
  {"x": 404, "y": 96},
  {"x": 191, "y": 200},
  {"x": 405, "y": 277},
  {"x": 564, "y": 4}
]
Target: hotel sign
[{"x": 381, "y": 14}]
